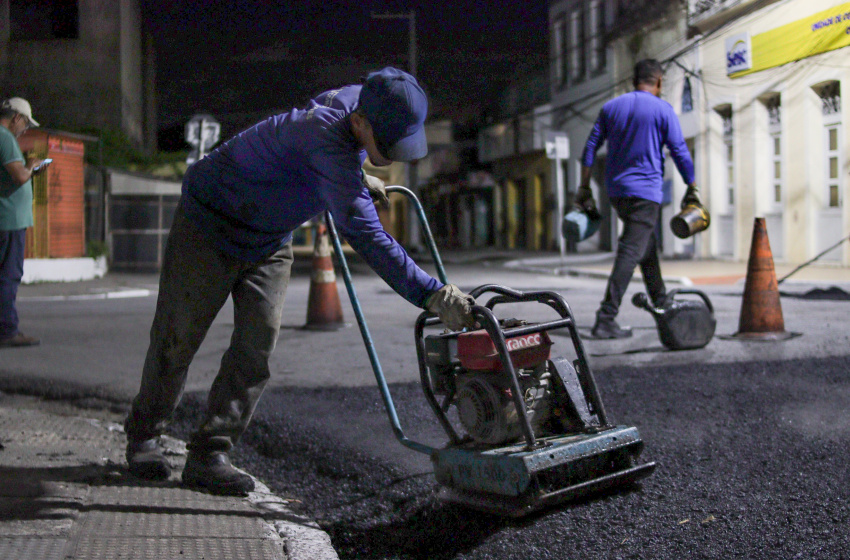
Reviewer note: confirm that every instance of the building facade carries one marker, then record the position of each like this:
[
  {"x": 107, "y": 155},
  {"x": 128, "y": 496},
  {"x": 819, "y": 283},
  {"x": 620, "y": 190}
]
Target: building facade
[
  {"x": 757, "y": 86},
  {"x": 522, "y": 204},
  {"x": 582, "y": 77},
  {"x": 83, "y": 64},
  {"x": 774, "y": 125}
]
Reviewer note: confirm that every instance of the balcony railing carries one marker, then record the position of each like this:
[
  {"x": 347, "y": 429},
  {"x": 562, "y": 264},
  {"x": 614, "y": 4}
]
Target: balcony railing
[{"x": 709, "y": 13}]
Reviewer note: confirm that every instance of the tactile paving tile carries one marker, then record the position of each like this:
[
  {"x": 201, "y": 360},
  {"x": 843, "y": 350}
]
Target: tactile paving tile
[
  {"x": 62, "y": 441},
  {"x": 168, "y": 497},
  {"x": 203, "y": 524},
  {"x": 23, "y": 548},
  {"x": 160, "y": 549}
]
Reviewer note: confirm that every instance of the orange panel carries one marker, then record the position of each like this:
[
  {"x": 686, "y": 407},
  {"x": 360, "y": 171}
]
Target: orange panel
[
  {"x": 59, "y": 196},
  {"x": 66, "y": 198}
]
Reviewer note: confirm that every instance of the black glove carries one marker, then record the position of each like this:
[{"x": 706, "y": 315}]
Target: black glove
[
  {"x": 691, "y": 197},
  {"x": 584, "y": 201}
]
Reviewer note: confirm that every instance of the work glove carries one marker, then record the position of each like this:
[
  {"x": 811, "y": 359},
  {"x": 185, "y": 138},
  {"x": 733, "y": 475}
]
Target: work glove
[
  {"x": 691, "y": 197},
  {"x": 453, "y": 307},
  {"x": 584, "y": 201},
  {"x": 376, "y": 189}
]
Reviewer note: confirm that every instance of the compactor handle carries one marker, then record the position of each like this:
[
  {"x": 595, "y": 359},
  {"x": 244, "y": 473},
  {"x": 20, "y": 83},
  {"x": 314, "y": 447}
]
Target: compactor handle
[{"x": 423, "y": 220}]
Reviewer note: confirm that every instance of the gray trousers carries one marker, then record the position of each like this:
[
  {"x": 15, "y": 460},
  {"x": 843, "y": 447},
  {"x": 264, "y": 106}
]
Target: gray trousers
[
  {"x": 195, "y": 282},
  {"x": 637, "y": 246}
]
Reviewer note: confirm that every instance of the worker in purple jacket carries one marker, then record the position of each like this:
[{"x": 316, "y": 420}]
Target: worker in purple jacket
[
  {"x": 637, "y": 126},
  {"x": 232, "y": 236}
]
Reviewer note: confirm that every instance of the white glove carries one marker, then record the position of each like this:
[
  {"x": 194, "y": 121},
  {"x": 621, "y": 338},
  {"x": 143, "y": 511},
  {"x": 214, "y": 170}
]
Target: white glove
[
  {"x": 376, "y": 190},
  {"x": 453, "y": 307}
]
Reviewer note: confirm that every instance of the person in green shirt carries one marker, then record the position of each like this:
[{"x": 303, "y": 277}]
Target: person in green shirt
[{"x": 15, "y": 214}]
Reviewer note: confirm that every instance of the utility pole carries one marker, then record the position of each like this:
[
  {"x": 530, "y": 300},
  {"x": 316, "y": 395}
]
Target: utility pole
[
  {"x": 415, "y": 237},
  {"x": 411, "y": 34}
]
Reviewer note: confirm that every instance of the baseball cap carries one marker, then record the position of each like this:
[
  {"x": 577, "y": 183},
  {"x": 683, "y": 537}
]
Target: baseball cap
[
  {"x": 22, "y": 107},
  {"x": 396, "y": 108}
]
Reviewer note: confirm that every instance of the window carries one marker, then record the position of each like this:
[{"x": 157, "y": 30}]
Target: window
[
  {"x": 577, "y": 43},
  {"x": 833, "y": 164},
  {"x": 559, "y": 46},
  {"x": 830, "y": 95},
  {"x": 35, "y": 20},
  {"x": 597, "y": 37},
  {"x": 725, "y": 113},
  {"x": 687, "y": 96},
  {"x": 774, "y": 129}
]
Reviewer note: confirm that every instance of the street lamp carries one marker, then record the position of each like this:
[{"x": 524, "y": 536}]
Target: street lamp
[{"x": 412, "y": 179}]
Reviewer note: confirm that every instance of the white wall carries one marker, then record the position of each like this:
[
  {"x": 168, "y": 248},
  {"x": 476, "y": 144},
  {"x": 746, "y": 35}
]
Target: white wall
[{"x": 805, "y": 227}]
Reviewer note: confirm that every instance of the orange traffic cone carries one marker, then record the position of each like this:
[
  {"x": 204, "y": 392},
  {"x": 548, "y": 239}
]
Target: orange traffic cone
[
  {"x": 324, "y": 311},
  {"x": 761, "y": 310}
]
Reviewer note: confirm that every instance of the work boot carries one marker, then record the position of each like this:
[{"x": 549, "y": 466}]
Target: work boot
[
  {"x": 213, "y": 471},
  {"x": 146, "y": 460},
  {"x": 19, "y": 339},
  {"x": 607, "y": 329}
]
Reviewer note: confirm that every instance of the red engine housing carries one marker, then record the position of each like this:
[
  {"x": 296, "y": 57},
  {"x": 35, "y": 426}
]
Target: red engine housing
[{"x": 477, "y": 352}]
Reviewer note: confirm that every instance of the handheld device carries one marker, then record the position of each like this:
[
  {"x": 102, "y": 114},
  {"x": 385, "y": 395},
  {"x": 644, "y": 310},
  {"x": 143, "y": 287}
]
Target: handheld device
[{"x": 42, "y": 165}]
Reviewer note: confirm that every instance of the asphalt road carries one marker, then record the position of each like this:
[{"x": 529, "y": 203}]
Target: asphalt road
[
  {"x": 750, "y": 439},
  {"x": 752, "y": 463}
]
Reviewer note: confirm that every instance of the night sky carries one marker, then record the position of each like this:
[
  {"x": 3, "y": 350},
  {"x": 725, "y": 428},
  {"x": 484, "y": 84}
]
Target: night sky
[{"x": 237, "y": 58}]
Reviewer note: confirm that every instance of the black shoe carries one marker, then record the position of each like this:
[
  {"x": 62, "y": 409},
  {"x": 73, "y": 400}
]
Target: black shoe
[
  {"x": 609, "y": 329},
  {"x": 663, "y": 302},
  {"x": 146, "y": 460},
  {"x": 214, "y": 472}
]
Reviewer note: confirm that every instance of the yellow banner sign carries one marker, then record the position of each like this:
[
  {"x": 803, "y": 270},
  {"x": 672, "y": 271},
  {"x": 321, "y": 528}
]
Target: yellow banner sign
[{"x": 822, "y": 32}]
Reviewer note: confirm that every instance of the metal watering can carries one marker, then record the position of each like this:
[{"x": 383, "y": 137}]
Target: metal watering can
[
  {"x": 690, "y": 221},
  {"x": 578, "y": 225},
  {"x": 682, "y": 324}
]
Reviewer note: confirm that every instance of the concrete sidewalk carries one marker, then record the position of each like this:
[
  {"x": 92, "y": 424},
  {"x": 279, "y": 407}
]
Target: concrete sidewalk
[{"x": 65, "y": 493}]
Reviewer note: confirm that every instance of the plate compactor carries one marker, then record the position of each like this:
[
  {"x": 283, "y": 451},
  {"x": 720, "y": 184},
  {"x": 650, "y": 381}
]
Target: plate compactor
[{"x": 526, "y": 430}]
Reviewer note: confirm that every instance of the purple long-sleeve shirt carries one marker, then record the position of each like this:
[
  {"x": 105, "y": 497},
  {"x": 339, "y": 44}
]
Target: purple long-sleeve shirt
[
  {"x": 251, "y": 192},
  {"x": 637, "y": 126}
]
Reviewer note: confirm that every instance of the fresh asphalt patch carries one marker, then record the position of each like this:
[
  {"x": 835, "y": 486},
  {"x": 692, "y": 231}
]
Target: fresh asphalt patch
[
  {"x": 752, "y": 463},
  {"x": 832, "y": 293}
]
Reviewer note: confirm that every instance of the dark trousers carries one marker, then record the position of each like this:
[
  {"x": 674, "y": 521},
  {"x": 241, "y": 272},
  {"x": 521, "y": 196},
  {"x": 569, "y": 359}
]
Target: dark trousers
[
  {"x": 637, "y": 245},
  {"x": 195, "y": 282},
  {"x": 12, "y": 245}
]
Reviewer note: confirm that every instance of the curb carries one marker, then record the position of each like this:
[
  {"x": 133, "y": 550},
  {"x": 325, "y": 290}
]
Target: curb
[
  {"x": 119, "y": 294},
  {"x": 551, "y": 268},
  {"x": 302, "y": 537}
]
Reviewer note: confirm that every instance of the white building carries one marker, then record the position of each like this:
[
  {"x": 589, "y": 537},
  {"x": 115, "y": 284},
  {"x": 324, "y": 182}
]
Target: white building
[
  {"x": 757, "y": 85},
  {"x": 772, "y": 125},
  {"x": 594, "y": 45}
]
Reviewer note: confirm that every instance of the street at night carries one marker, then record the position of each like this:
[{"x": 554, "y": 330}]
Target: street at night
[
  {"x": 749, "y": 438},
  {"x": 421, "y": 280}
]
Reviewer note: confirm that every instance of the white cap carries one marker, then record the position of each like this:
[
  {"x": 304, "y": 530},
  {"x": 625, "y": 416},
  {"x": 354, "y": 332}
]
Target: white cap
[{"x": 21, "y": 106}]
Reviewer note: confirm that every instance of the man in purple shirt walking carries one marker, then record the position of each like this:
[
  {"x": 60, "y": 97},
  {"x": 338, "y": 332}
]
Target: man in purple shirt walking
[
  {"x": 232, "y": 237},
  {"x": 637, "y": 126}
]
